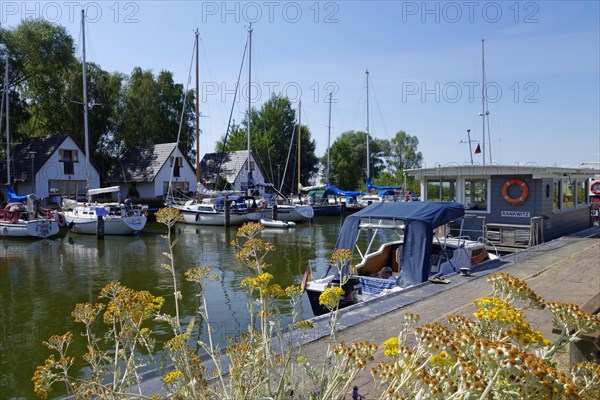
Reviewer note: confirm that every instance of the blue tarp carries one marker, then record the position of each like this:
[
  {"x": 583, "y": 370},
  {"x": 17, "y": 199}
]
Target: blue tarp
[
  {"x": 370, "y": 186},
  {"x": 13, "y": 197},
  {"x": 343, "y": 193},
  {"x": 420, "y": 219}
]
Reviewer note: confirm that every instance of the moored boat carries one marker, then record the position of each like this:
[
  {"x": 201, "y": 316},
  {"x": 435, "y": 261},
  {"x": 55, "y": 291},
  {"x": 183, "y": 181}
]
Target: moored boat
[
  {"x": 23, "y": 220},
  {"x": 272, "y": 223},
  {"x": 399, "y": 236}
]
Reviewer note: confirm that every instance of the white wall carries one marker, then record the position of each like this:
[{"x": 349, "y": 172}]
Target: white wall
[
  {"x": 186, "y": 173},
  {"x": 53, "y": 169}
]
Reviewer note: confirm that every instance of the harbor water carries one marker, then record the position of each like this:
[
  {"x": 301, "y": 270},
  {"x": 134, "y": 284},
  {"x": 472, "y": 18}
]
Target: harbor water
[{"x": 42, "y": 281}]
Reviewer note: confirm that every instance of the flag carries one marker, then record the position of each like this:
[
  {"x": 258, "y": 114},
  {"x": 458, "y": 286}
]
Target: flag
[
  {"x": 478, "y": 149},
  {"x": 308, "y": 276}
]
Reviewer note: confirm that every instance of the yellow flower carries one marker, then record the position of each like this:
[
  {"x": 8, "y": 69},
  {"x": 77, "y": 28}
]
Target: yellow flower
[
  {"x": 390, "y": 347},
  {"x": 331, "y": 297},
  {"x": 168, "y": 216}
]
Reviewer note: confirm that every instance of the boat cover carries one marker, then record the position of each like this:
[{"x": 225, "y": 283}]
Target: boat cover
[
  {"x": 370, "y": 186},
  {"x": 343, "y": 193},
  {"x": 13, "y": 197},
  {"x": 420, "y": 219}
]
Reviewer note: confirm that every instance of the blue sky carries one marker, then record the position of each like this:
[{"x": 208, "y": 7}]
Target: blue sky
[{"x": 542, "y": 65}]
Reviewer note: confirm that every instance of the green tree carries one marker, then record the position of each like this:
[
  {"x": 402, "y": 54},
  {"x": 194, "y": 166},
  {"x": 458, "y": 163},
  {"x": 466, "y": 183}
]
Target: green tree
[
  {"x": 348, "y": 157},
  {"x": 150, "y": 109},
  {"x": 404, "y": 154},
  {"x": 272, "y": 129},
  {"x": 41, "y": 62}
]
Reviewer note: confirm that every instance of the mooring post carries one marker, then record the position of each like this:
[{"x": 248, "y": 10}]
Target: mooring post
[
  {"x": 227, "y": 212},
  {"x": 274, "y": 211}
]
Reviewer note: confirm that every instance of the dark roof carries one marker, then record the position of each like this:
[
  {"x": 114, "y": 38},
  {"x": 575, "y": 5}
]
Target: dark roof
[
  {"x": 142, "y": 163},
  {"x": 20, "y": 159},
  {"x": 231, "y": 164}
]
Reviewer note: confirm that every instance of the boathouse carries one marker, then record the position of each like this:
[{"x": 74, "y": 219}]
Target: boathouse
[
  {"x": 514, "y": 206},
  {"x": 146, "y": 171},
  {"x": 232, "y": 166},
  {"x": 51, "y": 165}
]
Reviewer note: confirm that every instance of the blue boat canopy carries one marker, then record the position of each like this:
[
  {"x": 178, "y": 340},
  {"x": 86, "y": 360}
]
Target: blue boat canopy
[
  {"x": 420, "y": 218},
  {"x": 13, "y": 197},
  {"x": 343, "y": 193},
  {"x": 370, "y": 186}
]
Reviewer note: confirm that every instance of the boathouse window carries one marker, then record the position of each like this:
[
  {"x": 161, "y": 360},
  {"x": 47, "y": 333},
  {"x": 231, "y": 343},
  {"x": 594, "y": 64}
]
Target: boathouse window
[
  {"x": 441, "y": 190},
  {"x": 177, "y": 167},
  {"x": 568, "y": 195},
  {"x": 66, "y": 188},
  {"x": 251, "y": 165},
  {"x": 181, "y": 187},
  {"x": 476, "y": 194},
  {"x": 581, "y": 192},
  {"x": 556, "y": 198},
  {"x": 68, "y": 158}
]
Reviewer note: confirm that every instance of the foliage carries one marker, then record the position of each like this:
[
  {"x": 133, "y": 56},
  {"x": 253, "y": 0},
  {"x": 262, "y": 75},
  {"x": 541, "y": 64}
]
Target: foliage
[{"x": 272, "y": 129}]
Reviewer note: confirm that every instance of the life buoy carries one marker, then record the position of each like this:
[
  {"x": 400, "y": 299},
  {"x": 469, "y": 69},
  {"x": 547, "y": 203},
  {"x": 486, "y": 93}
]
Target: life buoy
[
  {"x": 524, "y": 191},
  {"x": 60, "y": 219},
  {"x": 595, "y": 187}
]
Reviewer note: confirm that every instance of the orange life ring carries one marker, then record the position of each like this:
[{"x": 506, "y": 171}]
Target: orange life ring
[
  {"x": 524, "y": 191},
  {"x": 595, "y": 187}
]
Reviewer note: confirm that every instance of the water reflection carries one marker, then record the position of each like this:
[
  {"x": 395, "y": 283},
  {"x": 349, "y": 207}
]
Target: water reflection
[{"x": 41, "y": 281}]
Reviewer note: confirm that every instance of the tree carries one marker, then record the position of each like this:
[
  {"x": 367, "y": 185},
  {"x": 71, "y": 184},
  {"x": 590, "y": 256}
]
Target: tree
[
  {"x": 404, "y": 154},
  {"x": 348, "y": 153},
  {"x": 41, "y": 62},
  {"x": 272, "y": 130},
  {"x": 150, "y": 111}
]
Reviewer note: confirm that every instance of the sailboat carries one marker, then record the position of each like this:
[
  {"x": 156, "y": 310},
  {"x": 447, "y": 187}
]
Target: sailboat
[
  {"x": 20, "y": 217},
  {"x": 386, "y": 193},
  {"x": 280, "y": 206},
  {"x": 118, "y": 218},
  {"x": 216, "y": 209}
]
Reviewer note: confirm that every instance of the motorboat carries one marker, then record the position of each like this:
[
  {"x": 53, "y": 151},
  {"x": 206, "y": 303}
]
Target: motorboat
[{"x": 399, "y": 235}]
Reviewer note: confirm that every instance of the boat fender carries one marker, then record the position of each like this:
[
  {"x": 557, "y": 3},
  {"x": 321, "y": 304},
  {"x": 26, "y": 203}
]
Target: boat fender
[
  {"x": 60, "y": 219},
  {"x": 524, "y": 191},
  {"x": 197, "y": 217}
]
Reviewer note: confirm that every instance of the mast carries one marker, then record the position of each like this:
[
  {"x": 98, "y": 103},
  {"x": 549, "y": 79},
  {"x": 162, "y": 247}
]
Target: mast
[
  {"x": 484, "y": 113},
  {"x": 329, "y": 140},
  {"x": 368, "y": 150},
  {"x": 85, "y": 106},
  {"x": 250, "y": 179},
  {"x": 197, "y": 45},
  {"x": 6, "y": 98},
  {"x": 299, "y": 127}
]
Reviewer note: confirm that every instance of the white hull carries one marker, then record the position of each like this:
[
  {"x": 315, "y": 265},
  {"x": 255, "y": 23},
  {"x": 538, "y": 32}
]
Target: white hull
[
  {"x": 285, "y": 213},
  {"x": 117, "y": 221},
  {"x": 42, "y": 228},
  {"x": 270, "y": 223},
  {"x": 212, "y": 218}
]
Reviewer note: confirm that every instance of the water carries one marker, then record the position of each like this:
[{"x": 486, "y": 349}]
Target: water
[{"x": 41, "y": 281}]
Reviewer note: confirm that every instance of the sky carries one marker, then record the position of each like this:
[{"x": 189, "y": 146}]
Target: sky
[{"x": 542, "y": 67}]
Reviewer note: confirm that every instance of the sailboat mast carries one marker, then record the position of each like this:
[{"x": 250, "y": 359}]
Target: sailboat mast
[
  {"x": 368, "y": 150},
  {"x": 250, "y": 179},
  {"x": 6, "y": 98},
  {"x": 299, "y": 127},
  {"x": 197, "y": 115},
  {"x": 85, "y": 105},
  {"x": 329, "y": 140},
  {"x": 483, "y": 97}
]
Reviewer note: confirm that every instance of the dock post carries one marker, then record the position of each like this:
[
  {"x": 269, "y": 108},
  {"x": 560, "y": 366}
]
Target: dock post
[
  {"x": 343, "y": 207},
  {"x": 274, "y": 211},
  {"x": 100, "y": 227},
  {"x": 227, "y": 212}
]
